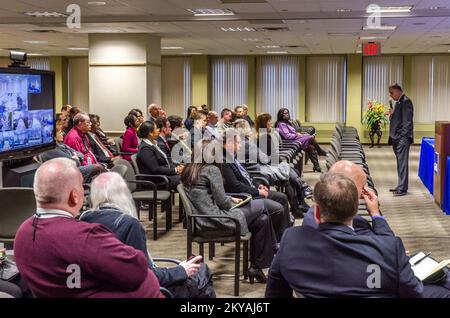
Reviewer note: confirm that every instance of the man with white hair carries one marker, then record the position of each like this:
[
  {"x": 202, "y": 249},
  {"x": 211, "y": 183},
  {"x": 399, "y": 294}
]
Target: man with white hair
[
  {"x": 211, "y": 131},
  {"x": 154, "y": 111},
  {"x": 113, "y": 206},
  {"x": 60, "y": 256}
]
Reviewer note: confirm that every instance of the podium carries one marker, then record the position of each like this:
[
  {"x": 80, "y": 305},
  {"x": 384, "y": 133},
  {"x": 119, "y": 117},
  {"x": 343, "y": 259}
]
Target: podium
[{"x": 441, "y": 151}]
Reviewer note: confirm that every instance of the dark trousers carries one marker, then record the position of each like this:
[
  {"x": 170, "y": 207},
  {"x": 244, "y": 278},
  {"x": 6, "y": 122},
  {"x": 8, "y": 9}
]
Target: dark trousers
[
  {"x": 276, "y": 201},
  {"x": 263, "y": 240},
  {"x": 401, "y": 151},
  {"x": 439, "y": 290}
]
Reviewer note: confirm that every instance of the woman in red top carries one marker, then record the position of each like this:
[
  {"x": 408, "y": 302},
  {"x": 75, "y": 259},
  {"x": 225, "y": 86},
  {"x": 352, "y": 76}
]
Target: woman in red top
[{"x": 130, "y": 138}]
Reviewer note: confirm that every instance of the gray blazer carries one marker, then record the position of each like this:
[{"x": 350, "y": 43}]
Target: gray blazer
[{"x": 208, "y": 197}]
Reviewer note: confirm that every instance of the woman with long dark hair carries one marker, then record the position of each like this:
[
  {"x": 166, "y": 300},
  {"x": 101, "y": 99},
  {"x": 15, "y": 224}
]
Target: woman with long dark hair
[
  {"x": 307, "y": 142},
  {"x": 203, "y": 183}
]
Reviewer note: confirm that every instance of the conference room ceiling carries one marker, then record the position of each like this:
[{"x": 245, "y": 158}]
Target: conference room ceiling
[{"x": 305, "y": 26}]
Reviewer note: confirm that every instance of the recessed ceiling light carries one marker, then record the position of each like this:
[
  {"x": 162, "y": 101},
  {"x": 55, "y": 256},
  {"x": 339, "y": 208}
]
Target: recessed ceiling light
[
  {"x": 343, "y": 10},
  {"x": 207, "y": 12},
  {"x": 437, "y": 8},
  {"x": 448, "y": 50},
  {"x": 373, "y": 9},
  {"x": 78, "y": 48},
  {"x": 34, "y": 54},
  {"x": 381, "y": 27},
  {"x": 45, "y": 14},
  {"x": 238, "y": 29},
  {"x": 96, "y": 3},
  {"x": 277, "y": 52},
  {"x": 267, "y": 46},
  {"x": 192, "y": 53},
  {"x": 36, "y": 42},
  {"x": 172, "y": 48}
]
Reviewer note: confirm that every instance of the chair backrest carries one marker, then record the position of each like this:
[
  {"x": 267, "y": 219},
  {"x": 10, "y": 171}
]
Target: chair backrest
[
  {"x": 118, "y": 141},
  {"x": 129, "y": 175},
  {"x": 18, "y": 204},
  {"x": 120, "y": 169},
  {"x": 167, "y": 293},
  {"x": 134, "y": 163},
  {"x": 186, "y": 202}
]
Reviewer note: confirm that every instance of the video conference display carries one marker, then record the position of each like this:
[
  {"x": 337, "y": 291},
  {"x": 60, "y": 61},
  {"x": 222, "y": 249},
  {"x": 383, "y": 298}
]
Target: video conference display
[{"x": 26, "y": 109}]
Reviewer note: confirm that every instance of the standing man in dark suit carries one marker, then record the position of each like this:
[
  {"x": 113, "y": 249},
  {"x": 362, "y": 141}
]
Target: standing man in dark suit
[
  {"x": 334, "y": 261},
  {"x": 401, "y": 135}
]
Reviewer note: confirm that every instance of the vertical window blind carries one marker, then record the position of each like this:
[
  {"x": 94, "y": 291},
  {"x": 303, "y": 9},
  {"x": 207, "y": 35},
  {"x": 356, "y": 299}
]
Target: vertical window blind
[
  {"x": 229, "y": 75},
  {"x": 39, "y": 63},
  {"x": 176, "y": 84},
  {"x": 430, "y": 88},
  {"x": 379, "y": 73},
  {"x": 277, "y": 84},
  {"x": 325, "y": 89}
]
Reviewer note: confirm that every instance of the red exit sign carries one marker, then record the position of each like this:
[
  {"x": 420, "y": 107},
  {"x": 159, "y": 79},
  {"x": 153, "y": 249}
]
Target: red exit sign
[{"x": 371, "y": 49}]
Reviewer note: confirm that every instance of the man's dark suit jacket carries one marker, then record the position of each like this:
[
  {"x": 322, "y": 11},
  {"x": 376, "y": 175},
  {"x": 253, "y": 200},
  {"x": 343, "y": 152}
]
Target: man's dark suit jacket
[
  {"x": 163, "y": 146},
  {"x": 401, "y": 123},
  {"x": 334, "y": 261},
  {"x": 234, "y": 182}
]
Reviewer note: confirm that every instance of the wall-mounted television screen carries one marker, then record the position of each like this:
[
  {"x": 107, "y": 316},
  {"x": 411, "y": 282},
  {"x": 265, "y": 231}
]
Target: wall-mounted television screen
[{"x": 27, "y": 103}]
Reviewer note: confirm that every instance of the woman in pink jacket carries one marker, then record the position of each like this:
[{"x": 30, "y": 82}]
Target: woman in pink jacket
[{"x": 130, "y": 138}]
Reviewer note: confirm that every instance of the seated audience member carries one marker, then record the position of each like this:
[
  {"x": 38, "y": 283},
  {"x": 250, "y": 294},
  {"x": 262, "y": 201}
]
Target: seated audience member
[
  {"x": 178, "y": 138},
  {"x": 65, "y": 110},
  {"x": 60, "y": 256},
  {"x": 154, "y": 111},
  {"x": 241, "y": 112},
  {"x": 78, "y": 140},
  {"x": 203, "y": 183},
  {"x": 237, "y": 180},
  {"x": 101, "y": 152},
  {"x": 113, "y": 207},
  {"x": 165, "y": 132},
  {"x": 64, "y": 151},
  {"x": 279, "y": 174},
  {"x": 197, "y": 128},
  {"x": 138, "y": 113},
  {"x": 130, "y": 138},
  {"x": 73, "y": 111},
  {"x": 226, "y": 120},
  {"x": 61, "y": 122},
  {"x": 333, "y": 261},
  {"x": 307, "y": 142},
  {"x": 189, "y": 122},
  {"x": 211, "y": 131},
  {"x": 205, "y": 108},
  {"x": 100, "y": 134},
  {"x": 355, "y": 173},
  {"x": 152, "y": 160}
]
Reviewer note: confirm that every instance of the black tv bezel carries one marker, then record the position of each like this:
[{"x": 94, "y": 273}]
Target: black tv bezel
[{"x": 37, "y": 149}]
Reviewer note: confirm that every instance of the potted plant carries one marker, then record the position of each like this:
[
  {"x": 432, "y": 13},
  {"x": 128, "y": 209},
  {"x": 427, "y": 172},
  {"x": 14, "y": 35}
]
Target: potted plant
[{"x": 375, "y": 118}]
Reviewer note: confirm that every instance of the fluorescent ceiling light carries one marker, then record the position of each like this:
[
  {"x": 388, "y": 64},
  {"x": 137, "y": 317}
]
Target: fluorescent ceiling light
[
  {"x": 343, "y": 10},
  {"x": 36, "y": 42},
  {"x": 45, "y": 14},
  {"x": 207, "y": 12},
  {"x": 34, "y": 54},
  {"x": 381, "y": 27},
  {"x": 238, "y": 29},
  {"x": 267, "y": 46},
  {"x": 172, "y": 48},
  {"x": 373, "y": 9},
  {"x": 254, "y": 40},
  {"x": 96, "y": 3},
  {"x": 78, "y": 48},
  {"x": 192, "y": 53},
  {"x": 372, "y": 38},
  {"x": 277, "y": 52}
]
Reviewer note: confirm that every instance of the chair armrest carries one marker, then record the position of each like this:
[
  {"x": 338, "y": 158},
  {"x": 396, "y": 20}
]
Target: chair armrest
[
  {"x": 236, "y": 221},
  {"x": 159, "y": 180},
  {"x": 167, "y": 260}
]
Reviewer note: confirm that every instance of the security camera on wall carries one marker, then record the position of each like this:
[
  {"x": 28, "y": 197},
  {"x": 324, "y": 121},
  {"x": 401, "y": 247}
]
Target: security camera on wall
[{"x": 18, "y": 58}]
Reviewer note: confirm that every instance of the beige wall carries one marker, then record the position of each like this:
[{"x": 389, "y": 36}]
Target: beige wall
[{"x": 79, "y": 82}]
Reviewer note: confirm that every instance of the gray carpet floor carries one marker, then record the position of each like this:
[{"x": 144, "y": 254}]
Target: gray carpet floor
[{"x": 415, "y": 218}]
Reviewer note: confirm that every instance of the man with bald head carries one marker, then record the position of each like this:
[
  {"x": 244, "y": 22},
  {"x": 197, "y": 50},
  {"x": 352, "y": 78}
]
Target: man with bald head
[
  {"x": 60, "y": 256},
  {"x": 355, "y": 173}
]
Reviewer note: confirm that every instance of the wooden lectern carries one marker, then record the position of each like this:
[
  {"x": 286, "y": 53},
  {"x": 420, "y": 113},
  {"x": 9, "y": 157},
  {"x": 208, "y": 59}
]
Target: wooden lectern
[{"x": 441, "y": 151}]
